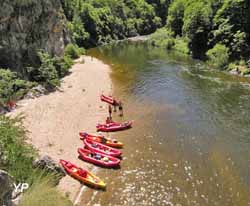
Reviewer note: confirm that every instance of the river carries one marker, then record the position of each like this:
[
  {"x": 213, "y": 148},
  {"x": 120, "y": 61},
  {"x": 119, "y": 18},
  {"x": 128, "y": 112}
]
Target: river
[{"x": 190, "y": 144}]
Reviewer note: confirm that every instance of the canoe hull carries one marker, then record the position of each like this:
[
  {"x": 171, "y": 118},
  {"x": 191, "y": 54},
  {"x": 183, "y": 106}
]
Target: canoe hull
[
  {"x": 84, "y": 155},
  {"x": 90, "y": 179},
  {"x": 98, "y": 138},
  {"x": 113, "y": 128},
  {"x": 101, "y": 148}
]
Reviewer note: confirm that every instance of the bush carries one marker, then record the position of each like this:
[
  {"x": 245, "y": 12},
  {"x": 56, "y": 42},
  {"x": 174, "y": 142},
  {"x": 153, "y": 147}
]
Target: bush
[
  {"x": 73, "y": 51},
  {"x": 43, "y": 192},
  {"x": 11, "y": 86},
  {"x": 46, "y": 73},
  {"x": 218, "y": 56},
  {"x": 160, "y": 36},
  {"x": 181, "y": 45},
  {"x": 16, "y": 156},
  {"x": 164, "y": 38},
  {"x": 62, "y": 65}
]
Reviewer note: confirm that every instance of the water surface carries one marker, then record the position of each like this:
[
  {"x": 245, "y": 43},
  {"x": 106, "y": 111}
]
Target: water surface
[{"x": 190, "y": 141}]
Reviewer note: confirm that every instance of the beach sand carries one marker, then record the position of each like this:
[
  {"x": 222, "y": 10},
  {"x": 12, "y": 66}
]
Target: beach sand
[{"x": 54, "y": 120}]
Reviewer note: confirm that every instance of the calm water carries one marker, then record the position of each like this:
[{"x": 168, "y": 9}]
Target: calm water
[{"x": 190, "y": 144}]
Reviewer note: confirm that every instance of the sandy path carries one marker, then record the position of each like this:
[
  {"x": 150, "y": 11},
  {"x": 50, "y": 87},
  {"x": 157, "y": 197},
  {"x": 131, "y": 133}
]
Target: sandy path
[{"x": 55, "y": 120}]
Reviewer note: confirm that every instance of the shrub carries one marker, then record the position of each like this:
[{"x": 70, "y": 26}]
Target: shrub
[
  {"x": 218, "y": 56},
  {"x": 73, "y": 51},
  {"x": 181, "y": 45},
  {"x": 43, "y": 192},
  {"x": 62, "y": 65},
  {"x": 15, "y": 155},
  {"x": 11, "y": 86},
  {"x": 46, "y": 73}
]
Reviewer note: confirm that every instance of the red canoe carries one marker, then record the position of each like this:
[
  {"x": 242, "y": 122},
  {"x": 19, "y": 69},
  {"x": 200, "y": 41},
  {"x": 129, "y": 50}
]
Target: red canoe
[
  {"x": 100, "y": 138},
  {"x": 108, "y": 99},
  {"x": 112, "y": 127},
  {"x": 82, "y": 175},
  {"x": 101, "y": 148},
  {"x": 98, "y": 158}
]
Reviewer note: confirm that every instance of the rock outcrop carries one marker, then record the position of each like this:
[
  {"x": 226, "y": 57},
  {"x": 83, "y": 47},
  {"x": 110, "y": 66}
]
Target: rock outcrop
[
  {"x": 47, "y": 163},
  {"x": 27, "y": 26},
  {"x": 6, "y": 189}
]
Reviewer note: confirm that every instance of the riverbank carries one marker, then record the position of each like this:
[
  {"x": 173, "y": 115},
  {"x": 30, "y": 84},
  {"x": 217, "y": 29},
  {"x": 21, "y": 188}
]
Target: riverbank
[{"x": 54, "y": 120}]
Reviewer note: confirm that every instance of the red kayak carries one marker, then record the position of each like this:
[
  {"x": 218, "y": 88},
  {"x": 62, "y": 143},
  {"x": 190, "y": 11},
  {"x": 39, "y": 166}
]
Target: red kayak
[
  {"x": 98, "y": 158},
  {"x": 114, "y": 126},
  {"x": 109, "y": 99},
  {"x": 100, "y": 138},
  {"x": 82, "y": 175},
  {"x": 101, "y": 148}
]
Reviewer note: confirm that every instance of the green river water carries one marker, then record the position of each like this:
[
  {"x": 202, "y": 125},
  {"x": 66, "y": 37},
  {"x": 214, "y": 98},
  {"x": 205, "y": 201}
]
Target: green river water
[{"x": 190, "y": 144}]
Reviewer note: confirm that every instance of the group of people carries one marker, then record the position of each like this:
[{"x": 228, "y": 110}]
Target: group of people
[{"x": 120, "y": 108}]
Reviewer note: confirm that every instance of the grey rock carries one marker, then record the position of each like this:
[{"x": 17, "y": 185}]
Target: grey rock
[
  {"x": 6, "y": 188},
  {"x": 47, "y": 163},
  {"x": 27, "y": 27},
  {"x": 234, "y": 71},
  {"x": 36, "y": 92}
]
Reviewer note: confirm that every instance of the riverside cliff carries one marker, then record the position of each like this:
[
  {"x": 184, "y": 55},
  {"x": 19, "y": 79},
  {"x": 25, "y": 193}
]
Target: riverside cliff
[{"x": 27, "y": 27}]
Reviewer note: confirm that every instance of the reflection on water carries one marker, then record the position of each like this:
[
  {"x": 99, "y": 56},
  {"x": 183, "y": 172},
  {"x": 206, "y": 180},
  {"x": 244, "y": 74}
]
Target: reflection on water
[{"x": 190, "y": 142}]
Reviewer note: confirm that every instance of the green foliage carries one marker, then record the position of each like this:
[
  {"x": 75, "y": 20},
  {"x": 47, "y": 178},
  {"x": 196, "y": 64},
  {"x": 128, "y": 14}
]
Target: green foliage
[
  {"x": 51, "y": 69},
  {"x": 165, "y": 38},
  {"x": 11, "y": 86},
  {"x": 218, "y": 56},
  {"x": 94, "y": 22},
  {"x": 73, "y": 51},
  {"x": 181, "y": 45},
  {"x": 197, "y": 24},
  {"x": 231, "y": 27},
  {"x": 15, "y": 155},
  {"x": 175, "y": 17},
  {"x": 43, "y": 191},
  {"x": 46, "y": 73},
  {"x": 161, "y": 8},
  {"x": 62, "y": 65}
]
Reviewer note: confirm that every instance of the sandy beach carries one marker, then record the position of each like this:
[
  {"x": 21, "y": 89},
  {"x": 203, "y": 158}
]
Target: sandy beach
[{"x": 54, "y": 120}]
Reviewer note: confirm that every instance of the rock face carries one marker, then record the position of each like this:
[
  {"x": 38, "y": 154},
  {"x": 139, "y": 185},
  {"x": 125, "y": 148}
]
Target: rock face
[
  {"x": 27, "y": 26},
  {"x": 6, "y": 189}
]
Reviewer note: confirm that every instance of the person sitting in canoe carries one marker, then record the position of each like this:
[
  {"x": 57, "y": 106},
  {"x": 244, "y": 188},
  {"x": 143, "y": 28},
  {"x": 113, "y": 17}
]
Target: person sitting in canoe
[
  {"x": 98, "y": 157},
  {"x": 94, "y": 145},
  {"x": 109, "y": 120},
  {"x": 82, "y": 173},
  {"x": 103, "y": 140}
]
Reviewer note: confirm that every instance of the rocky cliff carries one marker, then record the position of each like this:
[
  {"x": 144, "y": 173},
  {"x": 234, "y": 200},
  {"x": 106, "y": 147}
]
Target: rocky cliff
[{"x": 27, "y": 26}]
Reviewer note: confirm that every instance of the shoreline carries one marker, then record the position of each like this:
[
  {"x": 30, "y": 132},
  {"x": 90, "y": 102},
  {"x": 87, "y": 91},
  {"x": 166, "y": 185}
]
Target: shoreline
[{"x": 54, "y": 120}]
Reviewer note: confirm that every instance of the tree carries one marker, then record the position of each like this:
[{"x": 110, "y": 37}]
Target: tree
[
  {"x": 175, "y": 17},
  {"x": 197, "y": 24}
]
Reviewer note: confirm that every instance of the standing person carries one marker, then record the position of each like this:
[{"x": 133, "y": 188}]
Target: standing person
[
  {"x": 110, "y": 111},
  {"x": 115, "y": 105},
  {"x": 120, "y": 106}
]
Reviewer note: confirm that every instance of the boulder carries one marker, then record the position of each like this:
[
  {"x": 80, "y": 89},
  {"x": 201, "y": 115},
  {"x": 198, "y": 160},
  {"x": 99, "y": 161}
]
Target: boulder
[
  {"x": 6, "y": 189},
  {"x": 37, "y": 91},
  {"x": 47, "y": 163}
]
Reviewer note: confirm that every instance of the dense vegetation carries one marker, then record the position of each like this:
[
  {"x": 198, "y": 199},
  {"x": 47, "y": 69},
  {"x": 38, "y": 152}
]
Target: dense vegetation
[
  {"x": 16, "y": 157},
  {"x": 93, "y": 22},
  {"x": 215, "y": 30}
]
